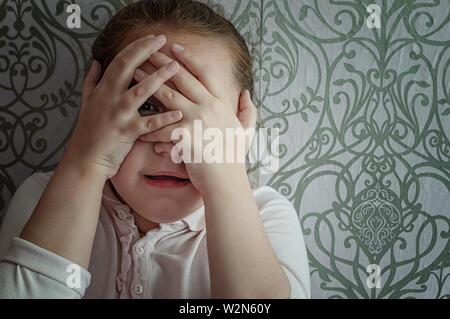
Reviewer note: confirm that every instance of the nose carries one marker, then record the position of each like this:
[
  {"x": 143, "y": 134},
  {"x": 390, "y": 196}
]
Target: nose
[{"x": 163, "y": 148}]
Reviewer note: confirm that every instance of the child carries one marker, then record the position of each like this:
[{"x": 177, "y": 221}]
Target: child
[{"x": 118, "y": 218}]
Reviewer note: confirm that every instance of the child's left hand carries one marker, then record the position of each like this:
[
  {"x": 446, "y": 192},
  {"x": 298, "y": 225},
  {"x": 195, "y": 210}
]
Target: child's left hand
[{"x": 202, "y": 98}]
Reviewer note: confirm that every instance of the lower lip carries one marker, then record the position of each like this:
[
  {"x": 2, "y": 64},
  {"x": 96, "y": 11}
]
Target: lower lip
[{"x": 165, "y": 183}]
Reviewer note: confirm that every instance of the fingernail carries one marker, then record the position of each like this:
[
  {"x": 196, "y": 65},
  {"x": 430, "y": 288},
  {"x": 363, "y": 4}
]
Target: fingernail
[
  {"x": 172, "y": 66},
  {"x": 177, "y": 115},
  {"x": 248, "y": 93},
  {"x": 139, "y": 74},
  {"x": 150, "y": 36},
  {"x": 161, "y": 38},
  {"x": 177, "y": 47}
]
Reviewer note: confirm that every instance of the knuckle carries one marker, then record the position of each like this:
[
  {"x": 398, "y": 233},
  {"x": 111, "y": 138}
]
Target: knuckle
[
  {"x": 127, "y": 48},
  {"x": 150, "y": 125},
  {"x": 168, "y": 94},
  {"x": 140, "y": 45},
  {"x": 121, "y": 61},
  {"x": 157, "y": 123},
  {"x": 158, "y": 76},
  {"x": 138, "y": 91},
  {"x": 186, "y": 53}
]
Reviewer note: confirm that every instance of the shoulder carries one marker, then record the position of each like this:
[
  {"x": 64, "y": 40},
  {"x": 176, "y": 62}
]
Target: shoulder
[
  {"x": 33, "y": 186},
  {"x": 35, "y": 183},
  {"x": 273, "y": 205},
  {"x": 268, "y": 192},
  {"x": 283, "y": 228}
]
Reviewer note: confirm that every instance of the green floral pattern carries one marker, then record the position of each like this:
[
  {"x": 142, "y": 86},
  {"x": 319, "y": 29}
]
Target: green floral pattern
[{"x": 363, "y": 114}]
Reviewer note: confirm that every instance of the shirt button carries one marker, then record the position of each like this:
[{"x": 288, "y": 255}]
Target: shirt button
[
  {"x": 122, "y": 214},
  {"x": 138, "y": 289},
  {"x": 139, "y": 250}
]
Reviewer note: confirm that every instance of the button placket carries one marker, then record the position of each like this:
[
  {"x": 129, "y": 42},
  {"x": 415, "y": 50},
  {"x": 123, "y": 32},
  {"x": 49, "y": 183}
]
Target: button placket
[
  {"x": 143, "y": 265},
  {"x": 139, "y": 250},
  {"x": 121, "y": 213},
  {"x": 138, "y": 289}
]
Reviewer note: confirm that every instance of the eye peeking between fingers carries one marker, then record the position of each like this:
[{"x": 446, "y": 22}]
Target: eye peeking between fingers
[{"x": 150, "y": 108}]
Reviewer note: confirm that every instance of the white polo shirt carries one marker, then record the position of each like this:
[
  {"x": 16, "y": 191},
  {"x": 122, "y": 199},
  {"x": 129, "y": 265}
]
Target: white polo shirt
[{"x": 168, "y": 262}]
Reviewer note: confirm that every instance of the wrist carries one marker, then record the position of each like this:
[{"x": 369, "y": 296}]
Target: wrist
[
  {"x": 224, "y": 179},
  {"x": 81, "y": 165}
]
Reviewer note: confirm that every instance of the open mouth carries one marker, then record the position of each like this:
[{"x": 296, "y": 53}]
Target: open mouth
[
  {"x": 167, "y": 177},
  {"x": 166, "y": 181}
]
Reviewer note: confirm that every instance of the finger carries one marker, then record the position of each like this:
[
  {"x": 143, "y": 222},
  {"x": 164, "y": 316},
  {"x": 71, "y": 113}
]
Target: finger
[
  {"x": 149, "y": 84},
  {"x": 119, "y": 73},
  {"x": 193, "y": 80},
  {"x": 170, "y": 98},
  {"x": 197, "y": 67},
  {"x": 91, "y": 80},
  {"x": 149, "y": 68},
  {"x": 165, "y": 134},
  {"x": 185, "y": 82},
  {"x": 148, "y": 124}
]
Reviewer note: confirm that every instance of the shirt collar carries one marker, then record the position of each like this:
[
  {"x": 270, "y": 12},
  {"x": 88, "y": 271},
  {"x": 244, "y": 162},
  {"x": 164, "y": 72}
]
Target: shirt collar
[{"x": 195, "y": 221}]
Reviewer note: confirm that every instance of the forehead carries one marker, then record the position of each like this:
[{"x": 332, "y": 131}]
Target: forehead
[{"x": 212, "y": 52}]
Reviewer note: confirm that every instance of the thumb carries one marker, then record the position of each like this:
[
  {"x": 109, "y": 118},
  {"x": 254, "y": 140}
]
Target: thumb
[
  {"x": 247, "y": 112},
  {"x": 247, "y": 115}
]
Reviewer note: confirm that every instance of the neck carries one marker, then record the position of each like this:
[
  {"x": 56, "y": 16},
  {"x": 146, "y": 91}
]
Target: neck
[
  {"x": 143, "y": 224},
  {"x": 113, "y": 189}
]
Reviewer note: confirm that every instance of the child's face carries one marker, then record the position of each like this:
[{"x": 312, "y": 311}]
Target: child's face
[{"x": 169, "y": 204}]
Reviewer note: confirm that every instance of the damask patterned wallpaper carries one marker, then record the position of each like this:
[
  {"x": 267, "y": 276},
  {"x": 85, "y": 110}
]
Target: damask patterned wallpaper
[{"x": 359, "y": 89}]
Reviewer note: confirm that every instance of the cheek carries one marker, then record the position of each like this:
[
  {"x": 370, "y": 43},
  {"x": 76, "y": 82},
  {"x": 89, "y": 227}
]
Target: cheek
[
  {"x": 131, "y": 170},
  {"x": 135, "y": 163}
]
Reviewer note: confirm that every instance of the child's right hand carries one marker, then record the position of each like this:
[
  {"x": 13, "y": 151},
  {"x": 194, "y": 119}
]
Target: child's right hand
[{"x": 109, "y": 122}]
